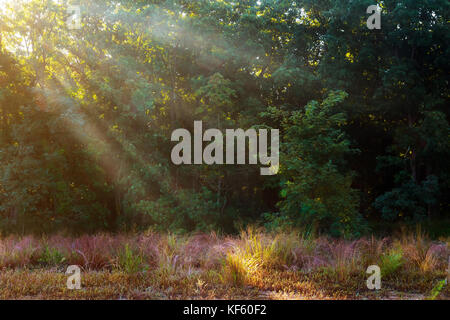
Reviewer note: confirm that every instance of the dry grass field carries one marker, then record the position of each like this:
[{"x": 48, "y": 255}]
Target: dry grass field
[{"x": 254, "y": 265}]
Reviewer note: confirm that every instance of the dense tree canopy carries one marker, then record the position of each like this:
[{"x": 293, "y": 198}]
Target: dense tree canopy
[{"x": 87, "y": 113}]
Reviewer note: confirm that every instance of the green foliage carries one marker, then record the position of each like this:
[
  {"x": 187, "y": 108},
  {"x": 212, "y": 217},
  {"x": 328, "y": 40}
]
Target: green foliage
[
  {"x": 435, "y": 292},
  {"x": 51, "y": 256},
  {"x": 409, "y": 199},
  {"x": 130, "y": 261},
  {"x": 391, "y": 261},
  {"x": 184, "y": 211},
  {"x": 419, "y": 190},
  {"x": 316, "y": 186}
]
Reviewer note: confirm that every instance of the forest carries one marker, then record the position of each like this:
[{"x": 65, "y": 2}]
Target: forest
[{"x": 92, "y": 90}]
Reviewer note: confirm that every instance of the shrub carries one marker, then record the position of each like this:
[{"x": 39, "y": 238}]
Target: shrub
[
  {"x": 316, "y": 185},
  {"x": 51, "y": 256},
  {"x": 129, "y": 260},
  {"x": 391, "y": 261}
]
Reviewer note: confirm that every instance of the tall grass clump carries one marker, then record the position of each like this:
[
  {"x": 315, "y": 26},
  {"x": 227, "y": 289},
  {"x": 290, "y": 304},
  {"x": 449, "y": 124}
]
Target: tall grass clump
[
  {"x": 346, "y": 259},
  {"x": 51, "y": 256},
  {"x": 95, "y": 252},
  {"x": 130, "y": 260},
  {"x": 282, "y": 251},
  {"x": 391, "y": 261},
  {"x": 256, "y": 251},
  {"x": 371, "y": 249},
  {"x": 204, "y": 251},
  {"x": 421, "y": 253},
  {"x": 169, "y": 258},
  {"x": 245, "y": 257},
  {"x": 239, "y": 265},
  {"x": 19, "y": 252}
]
